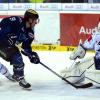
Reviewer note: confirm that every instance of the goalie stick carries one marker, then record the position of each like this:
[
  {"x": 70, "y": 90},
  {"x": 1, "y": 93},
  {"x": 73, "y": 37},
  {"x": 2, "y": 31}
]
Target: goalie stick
[{"x": 87, "y": 85}]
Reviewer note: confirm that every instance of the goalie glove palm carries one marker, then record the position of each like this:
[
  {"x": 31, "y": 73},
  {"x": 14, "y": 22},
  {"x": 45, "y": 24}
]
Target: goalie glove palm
[{"x": 34, "y": 58}]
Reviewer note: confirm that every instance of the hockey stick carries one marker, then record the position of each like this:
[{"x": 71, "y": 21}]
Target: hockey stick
[
  {"x": 81, "y": 73},
  {"x": 81, "y": 86}
]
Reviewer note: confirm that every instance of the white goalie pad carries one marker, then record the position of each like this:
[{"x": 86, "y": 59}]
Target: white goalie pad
[
  {"x": 76, "y": 73},
  {"x": 78, "y": 53},
  {"x": 93, "y": 76}
]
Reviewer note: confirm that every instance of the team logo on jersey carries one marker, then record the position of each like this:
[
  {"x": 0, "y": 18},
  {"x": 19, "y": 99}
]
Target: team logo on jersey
[
  {"x": 31, "y": 35},
  {"x": 12, "y": 37}
]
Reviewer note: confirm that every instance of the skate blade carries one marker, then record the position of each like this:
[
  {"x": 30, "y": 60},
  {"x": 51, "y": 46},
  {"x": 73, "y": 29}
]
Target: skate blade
[{"x": 27, "y": 89}]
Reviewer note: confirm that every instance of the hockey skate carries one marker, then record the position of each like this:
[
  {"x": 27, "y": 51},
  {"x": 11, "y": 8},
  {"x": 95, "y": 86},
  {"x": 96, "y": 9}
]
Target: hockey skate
[
  {"x": 22, "y": 82},
  {"x": 15, "y": 78},
  {"x": 10, "y": 77}
]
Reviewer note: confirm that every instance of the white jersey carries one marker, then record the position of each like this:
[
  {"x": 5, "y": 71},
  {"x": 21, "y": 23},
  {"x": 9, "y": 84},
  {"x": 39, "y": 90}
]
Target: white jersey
[{"x": 93, "y": 42}]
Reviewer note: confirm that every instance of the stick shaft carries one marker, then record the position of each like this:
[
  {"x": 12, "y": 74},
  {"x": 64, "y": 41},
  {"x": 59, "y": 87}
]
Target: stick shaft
[{"x": 58, "y": 75}]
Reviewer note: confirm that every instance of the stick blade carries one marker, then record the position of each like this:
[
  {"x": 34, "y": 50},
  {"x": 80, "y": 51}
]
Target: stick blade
[{"x": 87, "y": 85}]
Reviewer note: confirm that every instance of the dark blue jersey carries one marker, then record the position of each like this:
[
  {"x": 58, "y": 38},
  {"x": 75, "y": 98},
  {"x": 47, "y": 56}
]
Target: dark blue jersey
[{"x": 13, "y": 30}]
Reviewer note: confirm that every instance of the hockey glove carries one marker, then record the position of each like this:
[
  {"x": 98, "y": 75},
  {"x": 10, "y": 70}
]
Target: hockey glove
[
  {"x": 78, "y": 53},
  {"x": 34, "y": 58}
]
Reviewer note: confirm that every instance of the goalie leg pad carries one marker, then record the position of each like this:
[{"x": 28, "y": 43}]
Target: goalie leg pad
[
  {"x": 93, "y": 76},
  {"x": 18, "y": 65},
  {"x": 73, "y": 75},
  {"x": 76, "y": 73}
]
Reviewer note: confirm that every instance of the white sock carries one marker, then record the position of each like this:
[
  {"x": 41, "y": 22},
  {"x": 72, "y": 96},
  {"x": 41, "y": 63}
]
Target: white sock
[{"x": 4, "y": 71}]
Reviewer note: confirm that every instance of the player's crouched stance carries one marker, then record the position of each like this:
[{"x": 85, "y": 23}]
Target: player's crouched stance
[
  {"x": 17, "y": 30},
  {"x": 87, "y": 69}
]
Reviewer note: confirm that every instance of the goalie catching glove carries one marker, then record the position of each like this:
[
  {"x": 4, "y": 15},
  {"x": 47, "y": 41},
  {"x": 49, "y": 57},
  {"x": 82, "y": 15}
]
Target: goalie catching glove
[
  {"x": 78, "y": 53},
  {"x": 33, "y": 57}
]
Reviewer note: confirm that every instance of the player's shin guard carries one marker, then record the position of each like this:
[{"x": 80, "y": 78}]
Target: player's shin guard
[
  {"x": 18, "y": 69},
  {"x": 19, "y": 76}
]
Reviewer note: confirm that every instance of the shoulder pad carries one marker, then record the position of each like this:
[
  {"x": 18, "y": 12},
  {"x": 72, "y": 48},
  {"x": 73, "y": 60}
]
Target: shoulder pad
[{"x": 15, "y": 19}]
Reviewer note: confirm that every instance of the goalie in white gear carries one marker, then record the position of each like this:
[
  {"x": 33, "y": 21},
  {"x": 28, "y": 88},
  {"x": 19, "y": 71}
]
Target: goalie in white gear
[{"x": 86, "y": 69}]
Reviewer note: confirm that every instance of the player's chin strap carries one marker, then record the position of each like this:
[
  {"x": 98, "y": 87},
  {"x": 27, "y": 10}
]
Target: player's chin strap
[{"x": 87, "y": 85}]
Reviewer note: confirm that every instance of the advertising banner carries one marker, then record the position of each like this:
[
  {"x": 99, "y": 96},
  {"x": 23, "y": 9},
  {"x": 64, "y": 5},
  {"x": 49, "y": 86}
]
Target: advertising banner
[{"x": 75, "y": 28}]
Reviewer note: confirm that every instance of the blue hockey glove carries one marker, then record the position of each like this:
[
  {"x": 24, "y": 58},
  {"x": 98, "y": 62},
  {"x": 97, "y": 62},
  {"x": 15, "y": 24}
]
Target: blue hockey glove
[{"x": 34, "y": 58}]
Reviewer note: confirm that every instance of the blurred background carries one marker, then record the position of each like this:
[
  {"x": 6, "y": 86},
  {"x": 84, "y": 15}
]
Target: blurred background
[{"x": 49, "y": 1}]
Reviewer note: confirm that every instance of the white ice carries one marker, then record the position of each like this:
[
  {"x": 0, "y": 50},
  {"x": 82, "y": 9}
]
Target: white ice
[{"x": 45, "y": 85}]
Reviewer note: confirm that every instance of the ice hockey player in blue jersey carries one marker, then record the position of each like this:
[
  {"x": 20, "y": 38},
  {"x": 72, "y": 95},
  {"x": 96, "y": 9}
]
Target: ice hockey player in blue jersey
[{"x": 16, "y": 30}]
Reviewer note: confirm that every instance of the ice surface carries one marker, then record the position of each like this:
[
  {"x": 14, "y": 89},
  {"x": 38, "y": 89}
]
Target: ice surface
[{"x": 45, "y": 85}]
